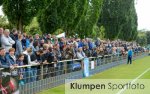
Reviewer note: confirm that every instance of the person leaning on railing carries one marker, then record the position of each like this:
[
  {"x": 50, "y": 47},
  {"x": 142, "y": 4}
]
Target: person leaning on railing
[
  {"x": 21, "y": 71},
  {"x": 50, "y": 59},
  {"x": 12, "y": 61},
  {"x": 87, "y": 51},
  {"x": 31, "y": 72},
  {"x": 4, "y": 63}
]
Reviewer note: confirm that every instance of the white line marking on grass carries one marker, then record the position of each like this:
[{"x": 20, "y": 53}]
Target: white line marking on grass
[{"x": 122, "y": 90}]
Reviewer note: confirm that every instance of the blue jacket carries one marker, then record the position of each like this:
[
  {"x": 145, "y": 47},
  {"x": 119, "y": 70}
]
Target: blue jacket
[
  {"x": 4, "y": 63},
  {"x": 80, "y": 44},
  {"x": 27, "y": 43},
  {"x": 130, "y": 53},
  {"x": 19, "y": 48},
  {"x": 90, "y": 45},
  {"x": 10, "y": 59}
]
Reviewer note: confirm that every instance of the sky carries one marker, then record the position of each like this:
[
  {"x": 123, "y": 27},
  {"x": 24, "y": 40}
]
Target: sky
[{"x": 142, "y": 8}]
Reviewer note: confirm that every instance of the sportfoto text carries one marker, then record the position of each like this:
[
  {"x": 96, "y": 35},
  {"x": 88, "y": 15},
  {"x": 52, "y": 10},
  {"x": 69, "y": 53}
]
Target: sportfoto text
[{"x": 110, "y": 86}]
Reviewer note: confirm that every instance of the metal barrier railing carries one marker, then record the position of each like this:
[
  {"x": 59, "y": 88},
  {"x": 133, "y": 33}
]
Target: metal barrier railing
[{"x": 34, "y": 78}]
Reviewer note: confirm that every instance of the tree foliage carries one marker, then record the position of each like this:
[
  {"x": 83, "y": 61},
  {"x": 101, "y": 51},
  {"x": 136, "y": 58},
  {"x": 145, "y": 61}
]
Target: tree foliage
[
  {"x": 1, "y": 2},
  {"x": 4, "y": 23},
  {"x": 142, "y": 40},
  {"x": 119, "y": 19},
  {"x": 73, "y": 16},
  {"x": 87, "y": 26},
  {"x": 21, "y": 12},
  {"x": 64, "y": 14},
  {"x": 148, "y": 37},
  {"x": 109, "y": 19}
]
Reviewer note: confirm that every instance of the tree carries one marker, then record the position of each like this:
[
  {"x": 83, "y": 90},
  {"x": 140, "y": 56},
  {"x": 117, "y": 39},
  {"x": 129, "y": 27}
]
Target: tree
[
  {"x": 61, "y": 14},
  {"x": 21, "y": 12},
  {"x": 1, "y": 2},
  {"x": 4, "y": 23},
  {"x": 128, "y": 29},
  {"x": 148, "y": 37},
  {"x": 119, "y": 19},
  {"x": 87, "y": 26},
  {"x": 142, "y": 40}
]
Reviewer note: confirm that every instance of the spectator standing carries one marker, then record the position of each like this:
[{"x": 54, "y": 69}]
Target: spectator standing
[
  {"x": 1, "y": 33},
  {"x": 19, "y": 46},
  {"x": 14, "y": 36},
  {"x": 80, "y": 53},
  {"x": 12, "y": 61},
  {"x": 28, "y": 61},
  {"x": 130, "y": 53},
  {"x": 21, "y": 71},
  {"x": 3, "y": 60},
  {"x": 6, "y": 40}
]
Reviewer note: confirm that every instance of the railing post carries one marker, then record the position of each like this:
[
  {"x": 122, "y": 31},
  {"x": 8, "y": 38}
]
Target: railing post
[
  {"x": 65, "y": 67},
  {"x": 42, "y": 71},
  {"x": 111, "y": 59}
]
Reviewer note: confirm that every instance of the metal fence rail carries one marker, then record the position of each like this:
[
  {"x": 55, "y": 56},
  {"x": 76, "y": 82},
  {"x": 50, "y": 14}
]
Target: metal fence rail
[{"x": 45, "y": 76}]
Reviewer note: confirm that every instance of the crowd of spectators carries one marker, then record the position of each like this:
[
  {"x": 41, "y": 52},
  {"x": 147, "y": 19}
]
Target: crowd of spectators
[{"x": 18, "y": 49}]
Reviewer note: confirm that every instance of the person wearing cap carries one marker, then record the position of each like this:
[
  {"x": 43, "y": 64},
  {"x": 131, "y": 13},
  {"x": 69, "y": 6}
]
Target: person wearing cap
[{"x": 6, "y": 40}]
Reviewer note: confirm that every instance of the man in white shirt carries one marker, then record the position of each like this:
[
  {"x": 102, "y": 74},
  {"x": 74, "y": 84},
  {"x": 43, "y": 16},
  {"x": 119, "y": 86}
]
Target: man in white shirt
[
  {"x": 80, "y": 53},
  {"x": 6, "y": 40},
  {"x": 31, "y": 72}
]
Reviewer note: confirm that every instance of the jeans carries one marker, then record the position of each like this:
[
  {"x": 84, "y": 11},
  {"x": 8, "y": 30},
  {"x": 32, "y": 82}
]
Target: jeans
[
  {"x": 29, "y": 75},
  {"x": 34, "y": 70},
  {"x": 129, "y": 59}
]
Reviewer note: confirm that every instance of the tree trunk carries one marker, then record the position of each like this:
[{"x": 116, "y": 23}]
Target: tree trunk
[{"x": 20, "y": 25}]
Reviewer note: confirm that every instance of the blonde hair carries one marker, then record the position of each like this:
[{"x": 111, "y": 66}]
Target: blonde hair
[
  {"x": 20, "y": 36},
  {"x": 11, "y": 49},
  {"x": 29, "y": 50},
  {"x": 6, "y": 30},
  {"x": 46, "y": 46}
]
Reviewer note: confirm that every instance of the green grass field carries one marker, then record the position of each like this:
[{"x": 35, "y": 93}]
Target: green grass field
[{"x": 120, "y": 72}]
